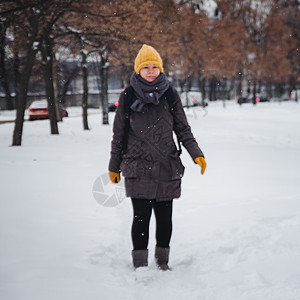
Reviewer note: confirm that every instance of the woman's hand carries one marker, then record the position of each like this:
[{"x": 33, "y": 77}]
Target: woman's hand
[
  {"x": 201, "y": 162},
  {"x": 114, "y": 177}
]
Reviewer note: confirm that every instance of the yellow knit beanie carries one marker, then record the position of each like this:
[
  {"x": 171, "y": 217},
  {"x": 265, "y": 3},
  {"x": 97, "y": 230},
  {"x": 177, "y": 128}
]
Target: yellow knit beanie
[{"x": 147, "y": 56}]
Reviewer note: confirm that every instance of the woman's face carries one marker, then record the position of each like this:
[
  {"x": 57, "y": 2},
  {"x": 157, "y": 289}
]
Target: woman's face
[{"x": 149, "y": 72}]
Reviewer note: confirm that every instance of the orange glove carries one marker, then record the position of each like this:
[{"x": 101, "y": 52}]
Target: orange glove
[
  {"x": 201, "y": 162},
  {"x": 114, "y": 177}
]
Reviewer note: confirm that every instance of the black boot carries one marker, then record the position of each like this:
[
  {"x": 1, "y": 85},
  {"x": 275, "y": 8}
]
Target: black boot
[
  {"x": 162, "y": 258},
  {"x": 140, "y": 258}
]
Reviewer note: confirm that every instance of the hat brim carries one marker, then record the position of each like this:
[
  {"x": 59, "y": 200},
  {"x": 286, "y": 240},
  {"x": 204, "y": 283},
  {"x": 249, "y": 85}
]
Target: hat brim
[{"x": 150, "y": 62}]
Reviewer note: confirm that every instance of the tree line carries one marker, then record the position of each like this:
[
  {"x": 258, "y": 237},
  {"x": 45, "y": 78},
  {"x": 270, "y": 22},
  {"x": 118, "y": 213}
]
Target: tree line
[{"x": 257, "y": 41}]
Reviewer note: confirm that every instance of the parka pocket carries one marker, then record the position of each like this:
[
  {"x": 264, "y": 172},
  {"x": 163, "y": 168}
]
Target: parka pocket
[
  {"x": 129, "y": 168},
  {"x": 138, "y": 168},
  {"x": 176, "y": 166}
]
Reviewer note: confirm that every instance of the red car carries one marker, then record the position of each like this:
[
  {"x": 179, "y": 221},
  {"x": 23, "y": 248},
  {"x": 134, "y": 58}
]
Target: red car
[
  {"x": 39, "y": 110},
  {"x": 113, "y": 106}
]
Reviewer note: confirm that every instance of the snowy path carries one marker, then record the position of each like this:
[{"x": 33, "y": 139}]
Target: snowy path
[{"x": 236, "y": 229}]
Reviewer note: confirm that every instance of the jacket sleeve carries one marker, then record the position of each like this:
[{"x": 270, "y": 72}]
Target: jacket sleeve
[
  {"x": 118, "y": 136},
  {"x": 183, "y": 129}
]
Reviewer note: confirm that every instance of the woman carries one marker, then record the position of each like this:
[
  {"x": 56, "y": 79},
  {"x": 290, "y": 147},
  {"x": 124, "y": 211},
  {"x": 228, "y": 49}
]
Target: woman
[{"x": 151, "y": 164}]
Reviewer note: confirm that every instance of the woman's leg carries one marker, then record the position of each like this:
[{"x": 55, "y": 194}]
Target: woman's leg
[
  {"x": 142, "y": 209},
  {"x": 163, "y": 214}
]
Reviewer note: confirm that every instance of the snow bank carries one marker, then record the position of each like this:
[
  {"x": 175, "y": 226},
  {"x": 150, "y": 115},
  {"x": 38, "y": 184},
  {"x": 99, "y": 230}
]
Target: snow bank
[{"x": 236, "y": 229}]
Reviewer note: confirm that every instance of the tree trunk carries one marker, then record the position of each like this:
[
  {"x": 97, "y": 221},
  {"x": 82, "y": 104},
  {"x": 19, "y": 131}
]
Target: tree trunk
[
  {"x": 62, "y": 90},
  {"x": 58, "y": 106},
  {"x": 239, "y": 91},
  {"x": 104, "y": 88},
  {"x": 231, "y": 91},
  {"x": 181, "y": 85},
  {"x": 17, "y": 74},
  {"x": 3, "y": 72},
  {"x": 223, "y": 86},
  {"x": 249, "y": 88},
  {"x": 85, "y": 91},
  {"x": 254, "y": 93},
  {"x": 126, "y": 72},
  {"x": 212, "y": 89},
  {"x": 259, "y": 86},
  {"x": 269, "y": 88},
  {"x": 47, "y": 56},
  {"x": 57, "y": 100},
  {"x": 189, "y": 82},
  {"x": 21, "y": 97},
  {"x": 201, "y": 86}
]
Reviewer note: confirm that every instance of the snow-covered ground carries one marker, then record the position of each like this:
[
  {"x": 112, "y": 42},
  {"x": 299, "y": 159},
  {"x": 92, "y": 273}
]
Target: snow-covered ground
[{"x": 236, "y": 229}]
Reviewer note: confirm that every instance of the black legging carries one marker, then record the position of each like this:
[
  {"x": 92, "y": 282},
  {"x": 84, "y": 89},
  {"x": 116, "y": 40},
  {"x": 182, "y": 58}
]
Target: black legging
[{"x": 142, "y": 209}]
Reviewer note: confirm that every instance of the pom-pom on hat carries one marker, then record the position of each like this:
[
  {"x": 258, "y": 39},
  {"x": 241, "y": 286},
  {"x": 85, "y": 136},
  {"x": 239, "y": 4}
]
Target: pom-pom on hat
[{"x": 147, "y": 56}]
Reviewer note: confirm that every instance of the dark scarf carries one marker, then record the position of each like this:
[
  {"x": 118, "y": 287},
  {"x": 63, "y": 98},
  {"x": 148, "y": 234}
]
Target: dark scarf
[{"x": 147, "y": 92}]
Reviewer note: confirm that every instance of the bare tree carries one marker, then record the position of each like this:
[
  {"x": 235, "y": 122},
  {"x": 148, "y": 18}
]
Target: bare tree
[
  {"x": 4, "y": 76},
  {"x": 30, "y": 16},
  {"x": 266, "y": 43},
  {"x": 36, "y": 19}
]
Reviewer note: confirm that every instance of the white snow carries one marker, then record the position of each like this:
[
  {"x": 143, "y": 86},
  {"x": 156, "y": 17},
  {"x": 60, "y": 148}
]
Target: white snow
[
  {"x": 35, "y": 45},
  {"x": 236, "y": 228},
  {"x": 39, "y": 104},
  {"x": 209, "y": 7}
]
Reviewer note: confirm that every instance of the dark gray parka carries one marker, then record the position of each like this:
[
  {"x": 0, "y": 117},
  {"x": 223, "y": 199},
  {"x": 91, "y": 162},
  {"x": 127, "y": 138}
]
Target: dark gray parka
[{"x": 151, "y": 166}]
